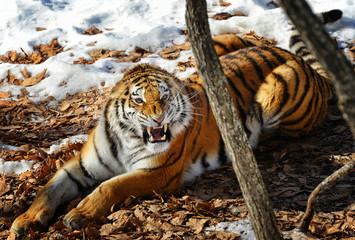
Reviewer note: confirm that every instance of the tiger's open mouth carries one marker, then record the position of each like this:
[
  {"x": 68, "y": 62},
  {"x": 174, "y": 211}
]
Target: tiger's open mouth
[{"x": 157, "y": 134}]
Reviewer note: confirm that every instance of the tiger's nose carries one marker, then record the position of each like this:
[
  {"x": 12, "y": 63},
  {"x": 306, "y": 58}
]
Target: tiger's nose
[{"x": 158, "y": 119}]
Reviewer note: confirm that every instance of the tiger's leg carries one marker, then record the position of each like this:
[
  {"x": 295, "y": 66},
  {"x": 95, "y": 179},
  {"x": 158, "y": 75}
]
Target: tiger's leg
[
  {"x": 82, "y": 171},
  {"x": 137, "y": 183},
  {"x": 61, "y": 188}
]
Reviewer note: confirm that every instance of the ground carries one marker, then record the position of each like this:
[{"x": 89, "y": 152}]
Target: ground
[{"x": 291, "y": 169}]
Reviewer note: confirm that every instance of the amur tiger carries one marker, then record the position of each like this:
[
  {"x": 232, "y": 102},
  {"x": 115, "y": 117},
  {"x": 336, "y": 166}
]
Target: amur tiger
[{"x": 156, "y": 131}]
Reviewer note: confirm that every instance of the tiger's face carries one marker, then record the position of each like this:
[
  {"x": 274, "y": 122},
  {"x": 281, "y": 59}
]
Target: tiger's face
[{"x": 156, "y": 109}]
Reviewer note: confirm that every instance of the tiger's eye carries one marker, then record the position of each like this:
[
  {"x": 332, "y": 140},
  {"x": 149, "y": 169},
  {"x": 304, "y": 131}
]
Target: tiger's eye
[
  {"x": 138, "y": 101},
  {"x": 165, "y": 97}
]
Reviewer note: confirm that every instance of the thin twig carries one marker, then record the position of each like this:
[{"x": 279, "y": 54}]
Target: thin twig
[{"x": 324, "y": 186}]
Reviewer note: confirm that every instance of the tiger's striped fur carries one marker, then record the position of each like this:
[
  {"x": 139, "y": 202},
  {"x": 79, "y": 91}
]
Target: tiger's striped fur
[{"x": 156, "y": 131}]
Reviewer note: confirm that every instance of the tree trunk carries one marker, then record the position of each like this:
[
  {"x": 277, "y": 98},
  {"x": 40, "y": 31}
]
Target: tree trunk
[{"x": 236, "y": 142}]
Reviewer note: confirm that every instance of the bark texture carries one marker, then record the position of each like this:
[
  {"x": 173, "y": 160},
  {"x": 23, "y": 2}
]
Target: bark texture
[{"x": 236, "y": 142}]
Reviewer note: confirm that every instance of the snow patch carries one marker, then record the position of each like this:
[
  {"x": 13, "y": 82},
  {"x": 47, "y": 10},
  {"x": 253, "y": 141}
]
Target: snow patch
[
  {"x": 242, "y": 227},
  {"x": 72, "y": 139}
]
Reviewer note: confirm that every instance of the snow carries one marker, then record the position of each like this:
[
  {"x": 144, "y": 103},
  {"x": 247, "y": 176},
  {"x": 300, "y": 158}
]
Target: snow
[
  {"x": 125, "y": 24},
  {"x": 72, "y": 139},
  {"x": 242, "y": 227},
  {"x": 17, "y": 167}
]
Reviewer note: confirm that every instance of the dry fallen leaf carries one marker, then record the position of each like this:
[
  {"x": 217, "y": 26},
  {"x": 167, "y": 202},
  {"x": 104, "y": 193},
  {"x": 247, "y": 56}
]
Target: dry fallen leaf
[
  {"x": 222, "y": 16},
  {"x": 4, "y": 188},
  {"x": 38, "y": 29},
  {"x": 5, "y": 94},
  {"x": 171, "y": 53},
  {"x": 34, "y": 80},
  {"x": 92, "y": 31},
  {"x": 224, "y": 4}
]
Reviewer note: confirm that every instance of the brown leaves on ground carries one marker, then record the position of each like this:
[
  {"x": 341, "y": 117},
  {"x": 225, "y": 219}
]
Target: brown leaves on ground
[
  {"x": 169, "y": 53},
  {"x": 27, "y": 82},
  {"x": 351, "y": 51},
  {"x": 222, "y": 4},
  {"x": 39, "y": 124},
  {"x": 273, "y": 3},
  {"x": 92, "y": 31},
  {"x": 174, "y": 51},
  {"x": 225, "y": 15},
  {"x": 119, "y": 56},
  {"x": 30, "y": 81},
  {"x": 253, "y": 36},
  {"x": 41, "y": 54}
]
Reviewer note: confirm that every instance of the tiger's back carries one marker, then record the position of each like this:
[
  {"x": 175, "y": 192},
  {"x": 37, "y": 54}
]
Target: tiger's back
[
  {"x": 156, "y": 131},
  {"x": 273, "y": 89}
]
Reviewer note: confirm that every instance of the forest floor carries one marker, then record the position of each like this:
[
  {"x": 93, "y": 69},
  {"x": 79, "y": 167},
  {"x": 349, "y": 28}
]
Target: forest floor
[{"x": 291, "y": 169}]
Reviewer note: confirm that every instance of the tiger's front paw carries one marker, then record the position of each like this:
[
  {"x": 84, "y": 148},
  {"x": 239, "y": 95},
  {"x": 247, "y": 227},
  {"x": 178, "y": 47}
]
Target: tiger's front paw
[
  {"x": 24, "y": 222},
  {"x": 80, "y": 216},
  {"x": 75, "y": 220}
]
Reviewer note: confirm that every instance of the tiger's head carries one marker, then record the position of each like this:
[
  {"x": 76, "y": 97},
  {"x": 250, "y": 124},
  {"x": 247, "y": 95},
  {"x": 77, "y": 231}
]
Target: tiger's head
[{"x": 154, "y": 107}]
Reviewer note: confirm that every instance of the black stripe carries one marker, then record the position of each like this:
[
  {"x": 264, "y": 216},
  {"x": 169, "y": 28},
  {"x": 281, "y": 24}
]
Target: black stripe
[
  {"x": 222, "y": 156},
  {"x": 300, "y": 99},
  {"x": 110, "y": 136},
  {"x": 301, "y": 50},
  {"x": 255, "y": 64},
  {"x": 296, "y": 90},
  {"x": 131, "y": 156},
  {"x": 204, "y": 162},
  {"x": 285, "y": 94},
  {"x": 113, "y": 147},
  {"x": 224, "y": 47},
  {"x": 270, "y": 64},
  {"x": 176, "y": 176},
  {"x": 195, "y": 157},
  {"x": 194, "y": 82},
  {"x": 294, "y": 39},
  {"x": 83, "y": 169},
  {"x": 311, "y": 62},
  {"x": 272, "y": 50},
  {"x": 78, "y": 184},
  {"x": 99, "y": 157},
  {"x": 122, "y": 105},
  {"x": 246, "y": 42},
  {"x": 239, "y": 73},
  {"x": 241, "y": 113},
  {"x": 301, "y": 118},
  {"x": 199, "y": 124},
  {"x": 123, "y": 126},
  {"x": 297, "y": 80},
  {"x": 149, "y": 156}
]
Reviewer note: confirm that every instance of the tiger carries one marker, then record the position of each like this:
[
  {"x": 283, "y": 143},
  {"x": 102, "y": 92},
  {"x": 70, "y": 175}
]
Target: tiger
[{"x": 157, "y": 131}]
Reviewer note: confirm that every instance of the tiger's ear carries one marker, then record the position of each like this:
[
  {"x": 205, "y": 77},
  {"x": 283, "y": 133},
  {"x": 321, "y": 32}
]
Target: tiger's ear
[{"x": 119, "y": 89}]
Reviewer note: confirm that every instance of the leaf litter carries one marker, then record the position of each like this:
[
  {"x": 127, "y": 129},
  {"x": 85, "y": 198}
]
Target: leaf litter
[{"x": 290, "y": 172}]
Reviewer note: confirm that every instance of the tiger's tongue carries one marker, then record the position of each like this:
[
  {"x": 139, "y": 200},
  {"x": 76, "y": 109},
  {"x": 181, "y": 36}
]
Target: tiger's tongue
[{"x": 157, "y": 133}]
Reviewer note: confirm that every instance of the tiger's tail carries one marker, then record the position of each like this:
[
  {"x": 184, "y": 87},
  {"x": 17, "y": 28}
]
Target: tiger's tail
[{"x": 298, "y": 47}]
